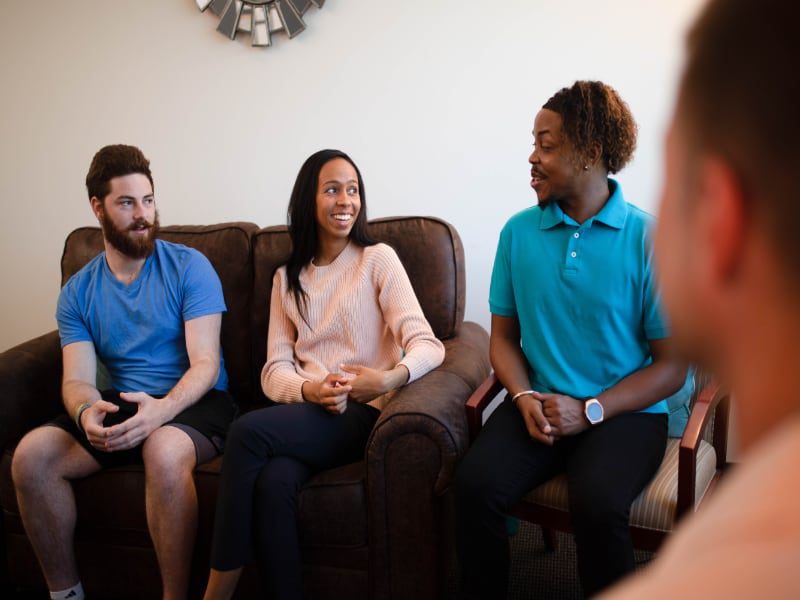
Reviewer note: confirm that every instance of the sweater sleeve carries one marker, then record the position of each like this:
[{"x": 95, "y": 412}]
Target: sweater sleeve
[
  {"x": 404, "y": 316},
  {"x": 279, "y": 378}
]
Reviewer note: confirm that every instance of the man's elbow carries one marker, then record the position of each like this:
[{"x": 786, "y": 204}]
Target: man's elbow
[{"x": 209, "y": 366}]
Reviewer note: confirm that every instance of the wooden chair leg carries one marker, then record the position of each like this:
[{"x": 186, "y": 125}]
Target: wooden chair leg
[{"x": 550, "y": 539}]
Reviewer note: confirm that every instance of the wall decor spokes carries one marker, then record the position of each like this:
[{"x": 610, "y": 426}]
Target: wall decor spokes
[{"x": 259, "y": 18}]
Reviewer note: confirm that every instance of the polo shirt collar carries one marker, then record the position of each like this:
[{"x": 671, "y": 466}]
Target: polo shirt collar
[
  {"x": 552, "y": 215},
  {"x": 615, "y": 210},
  {"x": 613, "y": 213}
]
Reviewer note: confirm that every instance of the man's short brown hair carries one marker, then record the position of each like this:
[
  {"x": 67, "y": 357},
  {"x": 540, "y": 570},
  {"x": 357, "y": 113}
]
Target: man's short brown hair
[
  {"x": 114, "y": 161},
  {"x": 740, "y": 100}
]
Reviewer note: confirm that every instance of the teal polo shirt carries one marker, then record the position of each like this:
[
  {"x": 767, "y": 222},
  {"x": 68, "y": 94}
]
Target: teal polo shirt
[{"x": 583, "y": 294}]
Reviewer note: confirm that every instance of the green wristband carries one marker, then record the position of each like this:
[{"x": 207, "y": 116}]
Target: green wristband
[{"x": 78, "y": 414}]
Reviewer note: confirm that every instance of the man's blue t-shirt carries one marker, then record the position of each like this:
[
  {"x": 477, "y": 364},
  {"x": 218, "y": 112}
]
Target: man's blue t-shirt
[
  {"x": 138, "y": 329},
  {"x": 584, "y": 296}
]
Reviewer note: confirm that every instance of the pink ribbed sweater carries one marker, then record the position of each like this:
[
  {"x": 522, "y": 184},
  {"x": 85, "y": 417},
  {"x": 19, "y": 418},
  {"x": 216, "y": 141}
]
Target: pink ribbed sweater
[{"x": 362, "y": 310}]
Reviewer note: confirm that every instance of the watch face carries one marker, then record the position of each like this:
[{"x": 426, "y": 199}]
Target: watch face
[{"x": 594, "y": 412}]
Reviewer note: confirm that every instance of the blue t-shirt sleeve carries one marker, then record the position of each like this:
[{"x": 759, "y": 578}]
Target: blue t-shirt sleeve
[
  {"x": 501, "y": 290},
  {"x": 653, "y": 320},
  {"x": 202, "y": 290},
  {"x": 71, "y": 326}
]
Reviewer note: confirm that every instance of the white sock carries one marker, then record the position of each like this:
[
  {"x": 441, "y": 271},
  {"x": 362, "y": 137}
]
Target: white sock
[{"x": 73, "y": 593}]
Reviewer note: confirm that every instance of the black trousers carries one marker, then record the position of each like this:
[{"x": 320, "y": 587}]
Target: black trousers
[
  {"x": 270, "y": 453},
  {"x": 607, "y": 466}
]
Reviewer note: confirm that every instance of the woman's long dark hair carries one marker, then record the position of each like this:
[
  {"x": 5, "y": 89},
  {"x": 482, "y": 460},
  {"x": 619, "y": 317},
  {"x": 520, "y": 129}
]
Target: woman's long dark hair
[{"x": 302, "y": 220}]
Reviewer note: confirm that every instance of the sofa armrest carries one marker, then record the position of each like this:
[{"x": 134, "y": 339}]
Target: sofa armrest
[
  {"x": 433, "y": 405},
  {"x": 411, "y": 456},
  {"x": 30, "y": 386}
]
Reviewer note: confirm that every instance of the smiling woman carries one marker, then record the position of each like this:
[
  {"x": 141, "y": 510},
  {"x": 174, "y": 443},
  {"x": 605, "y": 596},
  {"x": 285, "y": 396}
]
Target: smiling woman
[
  {"x": 260, "y": 18},
  {"x": 345, "y": 331}
]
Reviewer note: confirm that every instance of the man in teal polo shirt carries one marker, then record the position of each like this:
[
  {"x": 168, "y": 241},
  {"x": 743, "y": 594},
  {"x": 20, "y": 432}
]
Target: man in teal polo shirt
[
  {"x": 579, "y": 343},
  {"x": 575, "y": 289}
]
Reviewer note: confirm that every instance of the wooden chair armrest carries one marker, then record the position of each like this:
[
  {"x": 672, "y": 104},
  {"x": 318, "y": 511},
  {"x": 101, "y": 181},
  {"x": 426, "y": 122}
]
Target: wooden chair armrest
[
  {"x": 478, "y": 402},
  {"x": 704, "y": 407},
  {"x": 721, "y": 423}
]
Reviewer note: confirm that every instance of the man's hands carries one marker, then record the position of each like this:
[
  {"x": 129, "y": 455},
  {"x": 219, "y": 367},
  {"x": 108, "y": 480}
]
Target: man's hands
[
  {"x": 538, "y": 426},
  {"x": 92, "y": 423},
  {"x": 330, "y": 393},
  {"x": 552, "y": 416},
  {"x": 152, "y": 413},
  {"x": 564, "y": 413}
]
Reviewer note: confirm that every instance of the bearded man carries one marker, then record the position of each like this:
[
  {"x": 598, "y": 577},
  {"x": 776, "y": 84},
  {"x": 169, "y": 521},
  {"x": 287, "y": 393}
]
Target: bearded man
[{"x": 150, "y": 311}]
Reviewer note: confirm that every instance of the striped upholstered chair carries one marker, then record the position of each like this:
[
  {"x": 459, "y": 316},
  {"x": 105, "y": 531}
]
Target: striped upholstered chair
[{"x": 691, "y": 468}]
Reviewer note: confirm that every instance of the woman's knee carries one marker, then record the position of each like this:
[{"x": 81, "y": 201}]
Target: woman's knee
[{"x": 250, "y": 431}]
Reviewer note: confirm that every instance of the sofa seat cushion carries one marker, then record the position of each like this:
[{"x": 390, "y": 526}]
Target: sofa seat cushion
[
  {"x": 331, "y": 512},
  {"x": 654, "y": 508},
  {"x": 332, "y": 518}
]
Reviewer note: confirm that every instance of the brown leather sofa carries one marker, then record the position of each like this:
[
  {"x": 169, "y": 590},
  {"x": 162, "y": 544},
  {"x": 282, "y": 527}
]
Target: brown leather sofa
[{"x": 379, "y": 528}]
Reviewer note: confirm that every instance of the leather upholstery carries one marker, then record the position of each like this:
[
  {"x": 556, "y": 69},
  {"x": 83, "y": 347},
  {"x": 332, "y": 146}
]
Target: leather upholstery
[{"x": 377, "y": 528}]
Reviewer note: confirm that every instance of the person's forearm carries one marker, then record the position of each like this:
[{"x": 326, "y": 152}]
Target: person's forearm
[
  {"x": 509, "y": 364},
  {"x": 200, "y": 378},
  {"x": 644, "y": 387},
  {"x": 74, "y": 393},
  {"x": 396, "y": 378}
]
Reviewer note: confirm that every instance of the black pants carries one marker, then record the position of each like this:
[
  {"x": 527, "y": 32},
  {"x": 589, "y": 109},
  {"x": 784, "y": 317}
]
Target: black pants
[
  {"x": 607, "y": 466},
  {"x": 270, "y": 453}
]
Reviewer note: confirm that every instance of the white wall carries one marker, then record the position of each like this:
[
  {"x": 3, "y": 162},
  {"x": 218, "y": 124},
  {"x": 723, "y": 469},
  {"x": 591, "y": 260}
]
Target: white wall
[{"x": 433, "y": 99}]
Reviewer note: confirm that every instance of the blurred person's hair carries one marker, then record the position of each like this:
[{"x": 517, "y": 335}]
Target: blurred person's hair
[{"x": 740, "y": 99}]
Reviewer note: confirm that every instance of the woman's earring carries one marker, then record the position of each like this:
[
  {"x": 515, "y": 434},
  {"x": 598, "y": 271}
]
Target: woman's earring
[{"x": 585, "y": 167}]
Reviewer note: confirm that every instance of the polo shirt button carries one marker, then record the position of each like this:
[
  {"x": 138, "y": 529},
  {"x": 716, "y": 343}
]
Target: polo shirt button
[
  {"x": 577, "y": 235},
  {"x": 574, "y": 254}
]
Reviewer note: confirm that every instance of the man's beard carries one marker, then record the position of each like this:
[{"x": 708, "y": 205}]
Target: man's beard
[{"x": 132, "y": 247}]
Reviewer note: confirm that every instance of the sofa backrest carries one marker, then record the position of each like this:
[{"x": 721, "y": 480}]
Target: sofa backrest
[
  {"x": 429, "y": 248},
  {"x": 246, "y": 259},
  {"x": 227, "y": 246}
]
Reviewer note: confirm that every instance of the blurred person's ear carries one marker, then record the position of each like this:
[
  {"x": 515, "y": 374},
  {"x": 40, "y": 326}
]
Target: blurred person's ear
[{"x": 722, "y": 220}]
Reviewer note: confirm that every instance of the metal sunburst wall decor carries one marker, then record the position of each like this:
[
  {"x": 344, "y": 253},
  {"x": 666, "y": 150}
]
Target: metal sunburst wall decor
[{"x": 259, "y": 18}]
